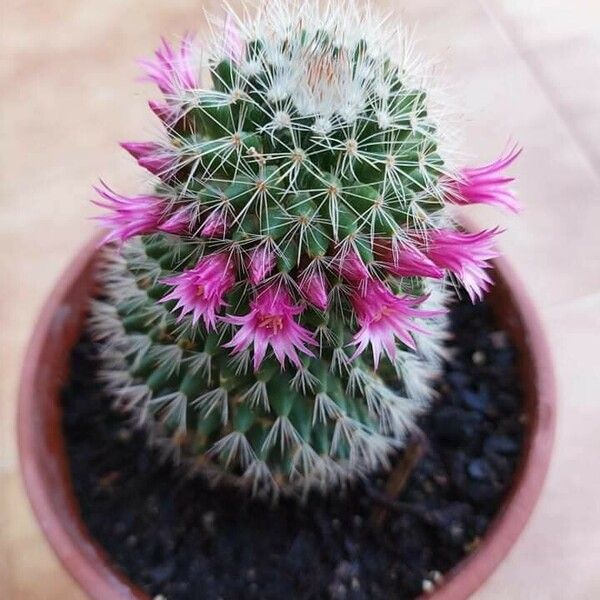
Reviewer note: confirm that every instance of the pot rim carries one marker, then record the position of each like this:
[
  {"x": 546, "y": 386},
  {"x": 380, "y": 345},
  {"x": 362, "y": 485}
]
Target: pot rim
[
  {"x": 88, "y": 563},
  {"x": 81, "y": 555},
  {"x": 472, "y": 571}
]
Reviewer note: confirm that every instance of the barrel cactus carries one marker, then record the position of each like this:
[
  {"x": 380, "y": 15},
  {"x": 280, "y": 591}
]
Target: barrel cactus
[{"x": 274, "y": 309}]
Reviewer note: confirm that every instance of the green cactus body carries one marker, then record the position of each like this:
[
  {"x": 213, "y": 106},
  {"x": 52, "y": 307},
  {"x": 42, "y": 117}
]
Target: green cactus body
[{"x": 306, "y": 166}]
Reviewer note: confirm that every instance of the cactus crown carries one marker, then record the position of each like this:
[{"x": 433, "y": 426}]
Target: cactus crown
[{"x": 275, "y": 307}]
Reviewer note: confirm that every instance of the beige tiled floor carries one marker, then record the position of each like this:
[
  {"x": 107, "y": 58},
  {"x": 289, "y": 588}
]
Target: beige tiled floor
[{"x": 524, "y": 70}]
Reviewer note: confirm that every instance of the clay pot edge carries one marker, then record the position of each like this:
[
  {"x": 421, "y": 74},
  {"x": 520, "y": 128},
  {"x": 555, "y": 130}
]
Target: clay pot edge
[{"x": 88, "y": 563}]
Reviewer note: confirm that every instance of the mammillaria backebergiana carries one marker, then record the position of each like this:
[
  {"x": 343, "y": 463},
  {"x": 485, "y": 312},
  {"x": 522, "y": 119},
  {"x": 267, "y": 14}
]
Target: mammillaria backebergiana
[{"x": 274, "y": 310}]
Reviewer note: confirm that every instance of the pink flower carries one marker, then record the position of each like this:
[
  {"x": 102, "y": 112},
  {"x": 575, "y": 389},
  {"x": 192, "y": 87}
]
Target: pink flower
[
  {"x": 171, "y": 69},
  {"x": 465, "y": 255},
  {"x": 271, "y": 322},
  {"x": 138, "y": 215},
  {"x": 403, "y": 260},
  {"x": 260, "y": 264},
  {"x": 131, "y": 215},
  {"x": 201, "y": 289},
  {"x": 178, "y": 223},
  {"x": 383, "y": 317},
  {"x": 352, "y": 267},
  {"x": 234, "y": 45},
  {"x": 154, "y": 157},
  {"x": 313, "y": 286},
  {"x": 485, "y": 185},
  {"x": 215, "y": 224},
  {"x": 167, "y": 114},
  {"x": 163, "y": 111}
]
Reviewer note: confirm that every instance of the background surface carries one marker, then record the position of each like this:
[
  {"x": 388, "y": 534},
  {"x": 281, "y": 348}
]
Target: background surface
[{"x": 521, "y": 70}]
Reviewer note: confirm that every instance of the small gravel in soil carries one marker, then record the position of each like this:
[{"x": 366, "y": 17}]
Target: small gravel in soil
[{"x": 180, "y": 540}]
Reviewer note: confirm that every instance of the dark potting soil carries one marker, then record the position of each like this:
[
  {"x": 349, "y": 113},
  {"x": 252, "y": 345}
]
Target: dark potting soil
[{"x": 181, "y": 540}]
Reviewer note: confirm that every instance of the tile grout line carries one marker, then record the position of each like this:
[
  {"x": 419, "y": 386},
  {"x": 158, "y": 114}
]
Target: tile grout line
[{"x": 498, "y": 16}]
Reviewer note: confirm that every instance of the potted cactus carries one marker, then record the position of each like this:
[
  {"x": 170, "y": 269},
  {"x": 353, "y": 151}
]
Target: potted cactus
[{"x": 273, "y": 310}]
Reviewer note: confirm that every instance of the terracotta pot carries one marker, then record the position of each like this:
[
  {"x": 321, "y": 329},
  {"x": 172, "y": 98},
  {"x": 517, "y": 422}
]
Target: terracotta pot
[{"x": 46, "y": 472}]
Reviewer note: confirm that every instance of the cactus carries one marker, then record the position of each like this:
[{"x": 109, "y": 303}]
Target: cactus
[{"x": 274, "y": 310}]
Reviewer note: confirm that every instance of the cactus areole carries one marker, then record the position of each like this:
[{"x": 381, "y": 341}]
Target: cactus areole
[{"x": 273, "y": 304}]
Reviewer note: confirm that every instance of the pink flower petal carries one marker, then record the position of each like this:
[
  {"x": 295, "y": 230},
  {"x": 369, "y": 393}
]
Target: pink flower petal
[
  {"x": 383, "y": 317},
  {"x": 201, "y": 289},
  {"x": 313, "y": 286},
  {"x": 130, "y": 216},
  {"x": 173, "y": 70},
  {"x": 405, "y": 260},
  {"x": 215, "y": 225},
  {"x": 271, "y": 322},
  {"x": 485, "y": 185},
  {"x": 352, "y": 267},
  {"x": 153, "y": 157},
  {"x": 466, "y": 255},
  {"x": 233, "y": 43},
  {"x": 260, "y": 264}
]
